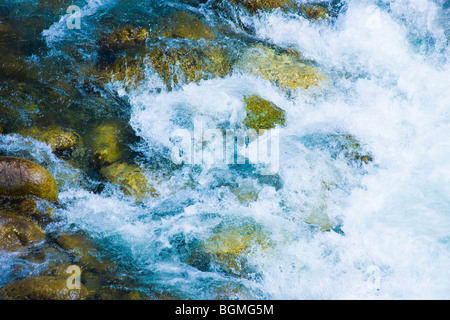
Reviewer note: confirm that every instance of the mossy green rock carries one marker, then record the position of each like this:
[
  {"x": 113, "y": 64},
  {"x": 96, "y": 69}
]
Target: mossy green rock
[
  {"x": 262, "y": 114},
  {"x": 352, "y": 149},
  {"x": 63, "y": 142},
  {"x": 175, "y": 64},
  {"x": 131, "y": 179},
  {"x": 20, "y": 177},
  {"x": 18, "y": 232},
  {"x": 231, "y": 244},
  {"x": 86, "y": 254},
  {"x": 319, "y": 217},
  {"x": 283, "y": 67},
  {"x": 41, "y": 288},
  {"x": 185, "y": 25},
  {"x": 107, "y": 143}
]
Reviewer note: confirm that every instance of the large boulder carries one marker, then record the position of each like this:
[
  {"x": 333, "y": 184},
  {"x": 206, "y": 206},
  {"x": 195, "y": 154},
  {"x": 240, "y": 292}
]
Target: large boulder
[
  {"x": 42, "y": 288},
  {"x": 20, "y": 177}
]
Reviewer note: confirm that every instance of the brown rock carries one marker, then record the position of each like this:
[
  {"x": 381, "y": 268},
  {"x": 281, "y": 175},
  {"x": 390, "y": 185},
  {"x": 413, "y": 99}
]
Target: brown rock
[
  {"x": 20, "y": 177},
  {"x": 18, "y": 232}
]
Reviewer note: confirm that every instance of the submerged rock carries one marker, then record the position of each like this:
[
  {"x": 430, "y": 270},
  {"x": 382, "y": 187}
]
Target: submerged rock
[
  {"x": 315, "y": 11},
  {"x": 41, "y": 288},
  {"x": 352, "y": 148},
  {"x": 131, "y": 179},
  {"x": 20, "y": 177},
  {"x": 283, "y": 67},
  {"x": 174, "y": 61},
  {"x": 129, "y": 70},
  {"x": 107, "y": 143},
  {"x": 319, "y": 217},
  {"x": 185, "y": 25},
  {"x": 232, "y": 291},
  {"x": 262, "y": 114},
  {"x": 18, "y": 232},
  {"x": 29, "y": 206},
  {"x": 245, "y": 193},
  {"x": 8, "y": 34},
  {"x": 86, "y": 254},
  {"x": 63, "y": 142},
  {"x": 123, "y": 38},
  {"x": 180, "y": 64},
  {"x": 231, "y": 245},
  {"x": 253, "y": 6},
  {"x": 12, "y": 65},
  {"x": 175, "y": 65},
  {"x": 340, "y": 145}
]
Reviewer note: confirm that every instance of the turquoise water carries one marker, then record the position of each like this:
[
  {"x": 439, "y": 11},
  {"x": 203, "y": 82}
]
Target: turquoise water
[{"x": 388, "y": 85}]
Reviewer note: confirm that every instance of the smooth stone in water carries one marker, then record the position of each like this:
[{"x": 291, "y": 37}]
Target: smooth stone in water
[
  {"x": 20, "y": 177},
  {"x": 42, "y": 288},
  {"x": 18, "y": 232}
]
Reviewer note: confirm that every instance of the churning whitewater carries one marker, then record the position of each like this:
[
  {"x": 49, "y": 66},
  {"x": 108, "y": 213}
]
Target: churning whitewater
[{"x": 322, "y": 225}]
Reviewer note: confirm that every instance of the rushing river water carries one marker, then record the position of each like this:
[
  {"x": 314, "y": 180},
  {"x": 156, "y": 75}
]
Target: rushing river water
[{"x": 332, "y": 228}]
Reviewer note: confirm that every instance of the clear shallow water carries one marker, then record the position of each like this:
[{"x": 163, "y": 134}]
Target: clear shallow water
[{"x": 388, "y": 84}]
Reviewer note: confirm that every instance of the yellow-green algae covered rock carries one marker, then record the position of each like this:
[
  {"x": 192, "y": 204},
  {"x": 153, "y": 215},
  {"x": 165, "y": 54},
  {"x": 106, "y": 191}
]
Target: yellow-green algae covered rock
[
  {"x": 107, "y": 143},
  {"x": 283, "y": 67},
  {"x": 131, "y": 179},
  {"x": 315, "y": 11},
  {"x": 231, "y": 244},
  {"x": 311, "y": 11},
  {"x": 129, "y": 70},
  {"x": 245, "y": 193},
  {"x": 123, "y": 38},
  {"x": 254, "y": 5},
  {"x": 177, "y": 65},
  {"x": 182, "y": 24},
  {"x": 20, "y": 177},
  {"x": 262, "y": 114},
  {"x": 18, "y": 232},
  {"x": 85, "y": 252},
  {"x": 63, "y": 142},
  {"x": 42, "y": 288}
]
